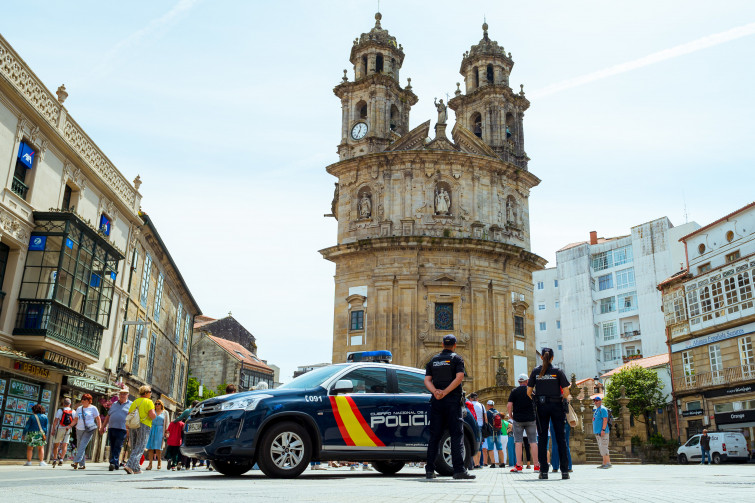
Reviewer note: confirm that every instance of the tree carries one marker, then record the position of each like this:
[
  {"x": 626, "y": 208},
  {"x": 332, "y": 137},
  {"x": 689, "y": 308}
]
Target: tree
[
  {"x": 192, "y": 391},
  {"x": 642, "y": 386}
]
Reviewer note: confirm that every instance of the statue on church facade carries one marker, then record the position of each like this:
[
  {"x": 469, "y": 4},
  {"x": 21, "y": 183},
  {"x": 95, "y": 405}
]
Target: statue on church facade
[
  {"x": 442, "y": 111},
  {"x": 511, "y": 216},
  {"x": 365, "y": 206},
  {"x": 442, "y": 202}
]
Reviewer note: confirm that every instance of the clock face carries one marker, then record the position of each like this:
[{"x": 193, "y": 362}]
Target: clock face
[{"x": 359, "y": 130}]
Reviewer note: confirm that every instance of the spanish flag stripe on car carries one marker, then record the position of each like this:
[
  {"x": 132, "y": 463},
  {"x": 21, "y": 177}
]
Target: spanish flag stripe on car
[{"x": 351, "y": 423}]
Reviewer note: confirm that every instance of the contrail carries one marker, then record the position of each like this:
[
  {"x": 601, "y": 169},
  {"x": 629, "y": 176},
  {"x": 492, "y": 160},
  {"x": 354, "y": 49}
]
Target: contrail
[
  {"x": 657, "y": 57},
  {"x": 108, "y": 60}
]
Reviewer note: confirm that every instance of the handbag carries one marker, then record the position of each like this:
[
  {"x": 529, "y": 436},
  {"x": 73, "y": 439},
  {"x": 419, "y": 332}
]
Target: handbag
[
  {"x": 487, "y": 430},
  {"x": 41, "y": 431},
  {"x": 133, "y": 419},
  {"x": 571, "y": 416}
]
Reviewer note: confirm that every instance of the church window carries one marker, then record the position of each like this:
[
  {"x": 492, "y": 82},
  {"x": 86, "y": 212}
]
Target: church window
[
  {"x": 394, "y": 117},
  {"x": 379, "y": 63},
  {"x": 510, "y": 126},
  {"x": 362, "y": 110},
  {"x": 519, "y": 326},
  {"x": 444, "y": 316},
  {"x": 364, "y": 65},
  {"x": 476, "y": 77},
  {"x": 357, "y": 320},
  {"x": 490, "y": 74},
  {"x": 475, "y": 124}
]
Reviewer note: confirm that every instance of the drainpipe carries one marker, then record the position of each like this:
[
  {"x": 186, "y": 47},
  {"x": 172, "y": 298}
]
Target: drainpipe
[{"x": 673, "y": 392}]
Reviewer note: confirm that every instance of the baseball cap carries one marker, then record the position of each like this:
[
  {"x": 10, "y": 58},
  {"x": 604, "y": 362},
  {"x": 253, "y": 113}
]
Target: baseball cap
[
  {"x": 491, "y": 402},
  {"x": 449, "y": 339},
  {"x": 523, "y": 377},
  {"x": 597, "y": 398}
]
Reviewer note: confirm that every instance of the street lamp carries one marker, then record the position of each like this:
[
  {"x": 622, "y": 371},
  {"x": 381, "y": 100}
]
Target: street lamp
[
  {"x": 596, "y": 384},
  {"x": 125, "y": 324}
]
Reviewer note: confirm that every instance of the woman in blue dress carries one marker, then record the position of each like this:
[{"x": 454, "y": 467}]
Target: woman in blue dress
[{"x": 156, "y": 435}]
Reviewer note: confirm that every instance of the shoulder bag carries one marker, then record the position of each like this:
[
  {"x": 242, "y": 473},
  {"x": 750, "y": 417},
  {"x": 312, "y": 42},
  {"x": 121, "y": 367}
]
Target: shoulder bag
[
  {"x": 571, "y": 416},
  {"x": 133, "y": 419},
  {"x": 44, "y": 436}
]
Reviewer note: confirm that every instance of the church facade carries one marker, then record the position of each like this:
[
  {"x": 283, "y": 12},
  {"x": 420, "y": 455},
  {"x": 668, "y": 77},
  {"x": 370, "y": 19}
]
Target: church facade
[{"x": 433, "y": 234}]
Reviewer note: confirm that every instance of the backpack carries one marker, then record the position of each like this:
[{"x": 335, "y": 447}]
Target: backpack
[
  {"x": 609, "y": 424},
  {"x": 497, "y": 423},
  {"x": 66, "y": 418}
]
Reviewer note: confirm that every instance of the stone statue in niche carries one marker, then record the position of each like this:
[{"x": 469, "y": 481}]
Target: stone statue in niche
[
  {"x": 501, "y": 375},
  {"x": 442, "y": 111},
  {"x": 511, "y": 211},
  {"x": 442, "y": 202},
  {"x": 365, "y": 206}
]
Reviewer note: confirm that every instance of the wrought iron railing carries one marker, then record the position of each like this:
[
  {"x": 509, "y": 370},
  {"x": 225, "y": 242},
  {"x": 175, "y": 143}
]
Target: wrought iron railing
[
  {"x": 49, "y": 319},
  {"x": 630, "y": 333},
  {"x": 716, "y": 377},
  {"x": 19, "y": 187}
]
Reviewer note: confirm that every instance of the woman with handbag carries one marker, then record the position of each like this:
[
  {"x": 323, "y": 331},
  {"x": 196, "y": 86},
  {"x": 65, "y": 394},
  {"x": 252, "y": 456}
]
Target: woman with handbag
[
  {"x": 139, "y": 423},
  {"x": 87, "y": 422},
  {"x": 35, "y": 434}
]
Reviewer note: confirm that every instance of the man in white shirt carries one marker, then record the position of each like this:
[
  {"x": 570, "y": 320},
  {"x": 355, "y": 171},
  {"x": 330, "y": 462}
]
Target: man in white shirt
[{"x": 479, "y": 411}]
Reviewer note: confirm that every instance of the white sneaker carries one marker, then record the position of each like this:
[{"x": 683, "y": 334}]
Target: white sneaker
[
  {"x": 28, "y": 463},
  {"x": 353, "y": 467},
  {"x": 366, "y": 468},
  {"x": 42, "y": 463}
]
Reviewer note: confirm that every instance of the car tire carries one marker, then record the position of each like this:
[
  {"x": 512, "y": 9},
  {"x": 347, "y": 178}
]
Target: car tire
[
  {"x": 285, "y": 451},
  {"x": 388, "y": 467},
  {"x": 232, "y": 468},
  {"x": 716, "y": 458},
  {"x": 683, "y": 459},
  {"x": 443, "y": 463}
]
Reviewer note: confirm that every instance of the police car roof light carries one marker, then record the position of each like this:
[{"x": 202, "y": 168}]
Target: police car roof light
[{"x": 383, "y": 356}]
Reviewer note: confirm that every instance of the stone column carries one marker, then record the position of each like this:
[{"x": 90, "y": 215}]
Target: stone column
[
  {"x": 371, "y": 63},
  {"x": 626, "y": 433}
]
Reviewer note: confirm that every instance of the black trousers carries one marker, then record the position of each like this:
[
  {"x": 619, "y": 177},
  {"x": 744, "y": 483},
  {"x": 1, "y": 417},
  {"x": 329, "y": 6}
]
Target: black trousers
[
  {"x": 446, "y": 413},
  {"x": 547, "y": 412}
]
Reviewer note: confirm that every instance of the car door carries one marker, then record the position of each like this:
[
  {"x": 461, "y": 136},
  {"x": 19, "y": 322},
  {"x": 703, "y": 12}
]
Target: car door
[
  {"x": 355, "y": 414},
  {"x": 410, "y": 411},
  {"x": 693, "y": 448}
]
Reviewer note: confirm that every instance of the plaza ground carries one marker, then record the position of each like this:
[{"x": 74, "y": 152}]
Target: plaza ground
[{"x": 633, "y": 483}]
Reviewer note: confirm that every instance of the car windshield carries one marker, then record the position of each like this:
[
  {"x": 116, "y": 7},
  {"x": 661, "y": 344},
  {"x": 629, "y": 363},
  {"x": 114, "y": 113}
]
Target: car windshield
[{"x": 312, "y": 378}]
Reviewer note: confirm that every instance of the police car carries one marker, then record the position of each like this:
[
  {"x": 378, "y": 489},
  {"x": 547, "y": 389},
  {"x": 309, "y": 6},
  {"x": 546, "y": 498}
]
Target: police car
[{"x": 363, "y": 411}]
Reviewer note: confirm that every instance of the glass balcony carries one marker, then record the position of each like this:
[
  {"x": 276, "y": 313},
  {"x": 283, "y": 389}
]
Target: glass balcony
[
  {"x": 46, "y": 318},
  {"x": 714, "y": 378}
]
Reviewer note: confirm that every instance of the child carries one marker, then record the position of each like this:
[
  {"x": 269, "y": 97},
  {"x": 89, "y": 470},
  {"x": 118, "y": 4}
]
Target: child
[{"x": 175, "y": 437}]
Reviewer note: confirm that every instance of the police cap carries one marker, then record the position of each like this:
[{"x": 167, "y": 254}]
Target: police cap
[{"x": 449, "y": 340}]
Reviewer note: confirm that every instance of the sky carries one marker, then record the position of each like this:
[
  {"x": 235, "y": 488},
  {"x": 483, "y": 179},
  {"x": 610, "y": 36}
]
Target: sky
[{"x": 225, "y": 110}]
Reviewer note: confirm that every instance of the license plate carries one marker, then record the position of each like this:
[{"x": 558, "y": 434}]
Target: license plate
[{"x": 194, "y": 427}]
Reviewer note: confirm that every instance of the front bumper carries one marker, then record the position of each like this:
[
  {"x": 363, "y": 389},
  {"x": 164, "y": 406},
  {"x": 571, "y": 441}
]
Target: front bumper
[{"x": 220, "y": 437}]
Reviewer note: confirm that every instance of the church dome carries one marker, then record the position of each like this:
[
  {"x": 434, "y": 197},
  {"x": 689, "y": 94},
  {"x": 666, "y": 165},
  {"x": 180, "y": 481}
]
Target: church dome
[
  {"x": 487, "y": 48},
  {"x": 377, "y": 36}
]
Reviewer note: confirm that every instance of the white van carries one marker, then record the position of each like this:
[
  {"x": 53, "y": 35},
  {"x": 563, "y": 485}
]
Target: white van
[{"x": 724, "y": 446}]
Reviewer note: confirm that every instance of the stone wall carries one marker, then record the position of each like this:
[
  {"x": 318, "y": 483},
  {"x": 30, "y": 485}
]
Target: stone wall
[{"x": 212, "y": 366}]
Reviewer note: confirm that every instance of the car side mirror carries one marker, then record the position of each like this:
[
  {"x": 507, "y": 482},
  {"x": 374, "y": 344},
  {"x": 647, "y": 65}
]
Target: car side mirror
[{"x": 343, "y": 386}]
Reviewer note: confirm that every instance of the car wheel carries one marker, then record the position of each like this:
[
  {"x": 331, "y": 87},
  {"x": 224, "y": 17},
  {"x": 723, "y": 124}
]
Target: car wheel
[
  {"x": 716, "y": 458},
  {"x": 232, "y": 468},
  {"x": 683, "y": 459},
  {"x": 443, "y": 463},
  {"x": 285, "y": 450},
  {"x": 388, "y": 467}
]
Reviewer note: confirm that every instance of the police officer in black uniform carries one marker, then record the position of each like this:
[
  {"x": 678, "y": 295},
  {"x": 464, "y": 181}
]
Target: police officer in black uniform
[
  {"x": 443, "y": 376},
  {"x": 551, "y": 389}
]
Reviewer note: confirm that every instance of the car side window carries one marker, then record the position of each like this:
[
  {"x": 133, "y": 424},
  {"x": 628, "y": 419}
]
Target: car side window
[
  {"x": 693, "y": 441},
  {"x": 368, "y": 380},
  {"x": 411, "y": 382}
]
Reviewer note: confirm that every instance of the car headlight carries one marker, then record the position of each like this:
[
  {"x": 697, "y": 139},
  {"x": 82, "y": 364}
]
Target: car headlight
[{"x": 245, "y": 403}]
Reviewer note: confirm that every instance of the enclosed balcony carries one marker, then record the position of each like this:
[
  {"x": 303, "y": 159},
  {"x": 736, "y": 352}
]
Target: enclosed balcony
[{"x": 730, "y": 375}]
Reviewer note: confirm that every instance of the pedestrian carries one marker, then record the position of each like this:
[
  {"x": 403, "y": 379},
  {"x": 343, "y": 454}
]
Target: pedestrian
[
  {"x": 185, "y": 460},
  {"x": 138, "y": 437},
  {"x": 556, "y": 460},
  {"x": 87, "y": 422},
  {"x": 230, "y": 389},
  {"x": 35, "y": 434},
  {"x": 601, "y": 429},
  {"x": 115, "y": 422},
  {"x": 175, "y": 437},
  {"x": 704, "y": 447},
  {"x": 61, "y": 432},
  {"x": 443, "y": 376},
  {"x": 156, "y": 435},
  {"x": 528, "y": 451},
  {"x": 550, "y": 388},
  {"x": 494, "y": 441},
  {"x": 522, "y": 410},
  {"x": 504, "y": 440},
  {"x": 510, "y": 444},
  {"x": 481, "y": 418}
]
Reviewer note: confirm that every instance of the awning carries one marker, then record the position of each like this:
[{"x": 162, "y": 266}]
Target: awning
[
  {"x": 17, "y": 355},
  {"x": 91, "y": 382}
]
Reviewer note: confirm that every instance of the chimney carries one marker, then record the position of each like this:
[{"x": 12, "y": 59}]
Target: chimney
[{"x": 593, "y": 237}]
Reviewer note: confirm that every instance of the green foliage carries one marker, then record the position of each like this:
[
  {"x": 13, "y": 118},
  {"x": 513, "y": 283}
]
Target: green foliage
[
  {"x": 636, "y": 440},
  {"x": 643, "y": 388},
  {"x": 192, "y": 392}
]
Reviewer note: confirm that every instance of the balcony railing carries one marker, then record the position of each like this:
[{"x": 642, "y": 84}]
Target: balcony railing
[
  {"x": 49, "y": 319},
  {"x": 630, "y": 334},
  {"x": 19, "y": 188},
  {"x": 714, "y": 378},
  {"x": 629, "y": 358}
]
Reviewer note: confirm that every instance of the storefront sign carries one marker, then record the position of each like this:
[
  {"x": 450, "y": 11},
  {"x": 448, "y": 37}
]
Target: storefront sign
[
  {"x": 88, "y": 385},
  {"x": 37, "y": 243},
  {"x": 31, "y": 369},
  {"x": 691, "y": 413},
  {"x": 739, "y": 416},
  {"x": 746, "y": 388},
  {"x": 23, "y": 389},
  {"x": 26, "y": 155},
  {"x": 714, "y": 337},
  {"x": 64, "y": 361}
]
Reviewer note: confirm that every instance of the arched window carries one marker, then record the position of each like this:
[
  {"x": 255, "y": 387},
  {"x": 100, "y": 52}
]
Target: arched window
[
  {"x": 361, "y": 109},
  {"x": 745, "y": 288},
  {"x": 476, "y": 77},
  {"x": 394, "y": 117},
  {"x": 730, "y": 286},
  {"x": 364, "y": 66},
  {"x": 379, "y": 63},
  {"x": 490, "y": 74},
  {"x": 475, "y": 124},
  {"x": 394, "y": 68},
  {"x": 705, "y": 300},
  {"x": 510, "y": 125}
]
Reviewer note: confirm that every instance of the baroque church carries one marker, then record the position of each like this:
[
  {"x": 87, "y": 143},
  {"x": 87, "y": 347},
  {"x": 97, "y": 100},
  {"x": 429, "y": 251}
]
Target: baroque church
[{"x": 433, "y": 233}]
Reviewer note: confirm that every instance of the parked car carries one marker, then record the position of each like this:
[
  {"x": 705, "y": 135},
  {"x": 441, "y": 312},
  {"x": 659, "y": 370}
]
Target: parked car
[
  {"x": 368, "y": 412},
  {"x": 724, "y": 446}
]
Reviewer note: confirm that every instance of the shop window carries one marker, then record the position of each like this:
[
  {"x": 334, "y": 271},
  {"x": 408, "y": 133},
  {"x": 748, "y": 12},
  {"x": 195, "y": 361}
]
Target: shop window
[{"x": 444, "y": 316}]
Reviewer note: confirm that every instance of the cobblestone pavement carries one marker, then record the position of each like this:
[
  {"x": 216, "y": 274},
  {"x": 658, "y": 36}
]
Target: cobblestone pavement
[{"x": 633, "y": 483}]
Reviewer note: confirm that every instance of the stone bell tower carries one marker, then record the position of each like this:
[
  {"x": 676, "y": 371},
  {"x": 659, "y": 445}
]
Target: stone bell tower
[
  {"x": 433, "y": 235},
  {"x": 375, "y": 108}
]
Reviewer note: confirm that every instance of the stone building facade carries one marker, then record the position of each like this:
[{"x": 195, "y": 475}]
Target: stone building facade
[
  {"x": 227, "y": 328},
  {"x": 433, "y": 235},
  {"x": 710, "y": 327},
  {"x": 217, "y": 361}
]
